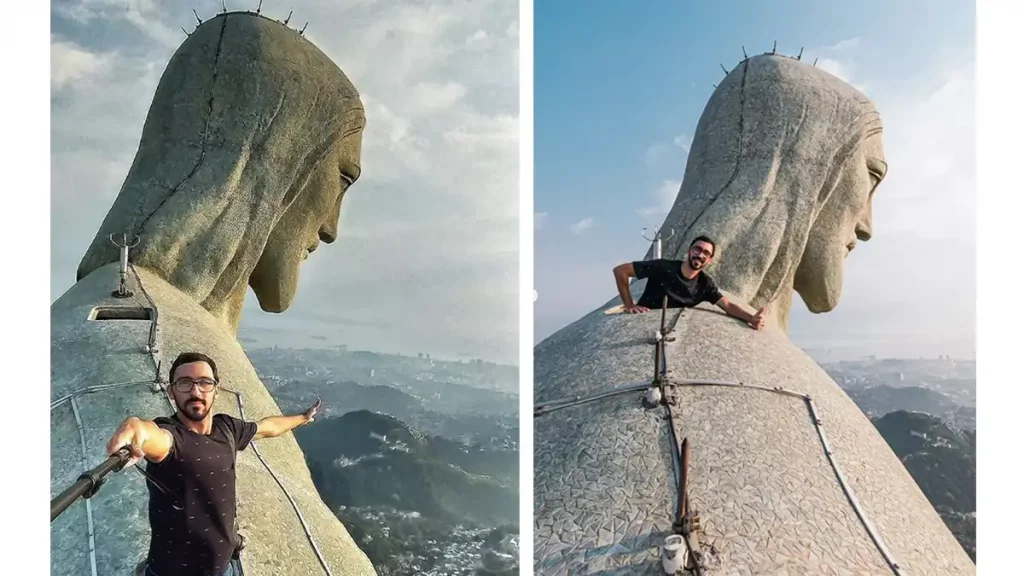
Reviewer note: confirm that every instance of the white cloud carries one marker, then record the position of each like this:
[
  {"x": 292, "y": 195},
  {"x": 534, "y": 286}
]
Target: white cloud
[
  {"x": 843, "y": 45},
  {"x": 683, "y": 142},
  {"x": 835, "y": 68},
  {"x": 582, "y": 226},
  {"x": 539, "y": 220},
  {"x": 70, "y": 64},
  {"x": 432, "y": 97},
  {"x": 664, "y": 197},
  {"x": 663, "y": 153},
  {"x": 480, "y": 41}
]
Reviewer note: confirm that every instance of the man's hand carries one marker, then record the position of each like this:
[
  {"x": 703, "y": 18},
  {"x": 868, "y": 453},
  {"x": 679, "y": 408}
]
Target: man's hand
[
  {"x": 132, "y": 434},
  {"x": 757, "y": 322},
  {"x": 311, "y": 413},
  {"x": 634, "y": 309}
]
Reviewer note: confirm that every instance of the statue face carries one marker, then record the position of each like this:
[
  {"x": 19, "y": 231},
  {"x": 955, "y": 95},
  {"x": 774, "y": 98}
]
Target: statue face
[
  {"x": 844, "y": 219},
  {"x": 311, "y": 218}
]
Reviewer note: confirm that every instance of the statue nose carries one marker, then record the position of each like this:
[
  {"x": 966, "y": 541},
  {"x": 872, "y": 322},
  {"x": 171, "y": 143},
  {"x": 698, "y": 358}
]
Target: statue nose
[
  {"x": 863, "y": 228},
  {"x": 328, "y": 234},
  {"x": 863, "y": 233}
]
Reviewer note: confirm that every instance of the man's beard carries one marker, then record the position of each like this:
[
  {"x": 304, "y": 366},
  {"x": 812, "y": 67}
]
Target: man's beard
[
  {"x": 696, "y": 264},
  {"x": 194, "y": 409}
]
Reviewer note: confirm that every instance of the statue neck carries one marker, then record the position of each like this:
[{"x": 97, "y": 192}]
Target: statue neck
[
  {"x": 778, "y": 310},
  {"x": 230, "y": 310}
]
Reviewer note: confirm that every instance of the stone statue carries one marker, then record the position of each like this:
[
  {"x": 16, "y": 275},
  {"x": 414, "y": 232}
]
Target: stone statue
[
  {"x": 781, "y": 173},
  {"x": 250, "y": 144}
]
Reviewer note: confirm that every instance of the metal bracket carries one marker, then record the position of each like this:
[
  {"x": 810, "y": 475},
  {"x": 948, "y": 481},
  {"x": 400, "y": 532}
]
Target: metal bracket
[{"x": 123, "y": 246}]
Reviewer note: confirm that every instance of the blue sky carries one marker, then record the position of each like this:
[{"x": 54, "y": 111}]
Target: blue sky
[
  {"x": 618, "y": 91},
  {"x": 439, "y": 189}
]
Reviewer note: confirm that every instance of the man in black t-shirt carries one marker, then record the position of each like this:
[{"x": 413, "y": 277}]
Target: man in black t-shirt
[
  {"x": 683, "y": 281},
  {"x": 191, "y": 472}
]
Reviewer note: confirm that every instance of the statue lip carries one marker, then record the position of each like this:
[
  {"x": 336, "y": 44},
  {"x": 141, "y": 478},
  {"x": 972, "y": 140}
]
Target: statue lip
[{"x": 851, "y": 246}]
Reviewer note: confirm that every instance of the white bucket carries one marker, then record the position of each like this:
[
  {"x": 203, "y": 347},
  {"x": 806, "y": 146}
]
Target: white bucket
[{"x": 673, "y": 554}]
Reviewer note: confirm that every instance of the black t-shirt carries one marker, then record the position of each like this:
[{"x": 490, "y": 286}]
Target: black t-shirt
[
  {"x": 664, "y": 277},
  {"x": 200, "y": 473}
]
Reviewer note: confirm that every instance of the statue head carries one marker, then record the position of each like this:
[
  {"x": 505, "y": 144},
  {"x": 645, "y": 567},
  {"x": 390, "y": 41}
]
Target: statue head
[
  {"x": 782, "y": 170},
  {"x": 251, "y": 141}
]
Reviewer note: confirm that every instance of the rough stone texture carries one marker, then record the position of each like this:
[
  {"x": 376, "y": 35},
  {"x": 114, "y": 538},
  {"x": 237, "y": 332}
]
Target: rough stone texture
[
  {"x": 610, "y": 497},
  {"x": 780, "y": 176},
  {"x": 781, "y": 171},
  {"x": 89, "y": 352},
  {"x": 239, "y": 169},
  {"x": 768, "y": 499}
]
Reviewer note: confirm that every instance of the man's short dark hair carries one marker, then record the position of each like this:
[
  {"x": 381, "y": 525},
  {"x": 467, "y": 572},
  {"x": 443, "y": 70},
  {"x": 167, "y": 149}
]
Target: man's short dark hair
[
  {"x": 190, "y": 357},
  {"x": 703, "y": 238}
]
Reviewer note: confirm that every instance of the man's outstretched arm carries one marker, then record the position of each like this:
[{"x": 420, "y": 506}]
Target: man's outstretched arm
[
  {"x": 273, "y": 426},
  {"x": 755, "y": 321},
  {"x": 623, "y": 272},
  {"x": 143, "y": 437}
]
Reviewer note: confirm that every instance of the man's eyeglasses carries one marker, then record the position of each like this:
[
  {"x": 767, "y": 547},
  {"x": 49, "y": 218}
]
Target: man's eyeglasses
[
  {"x": 702, "y": 251},
  {"x": 185, "y": 385}
]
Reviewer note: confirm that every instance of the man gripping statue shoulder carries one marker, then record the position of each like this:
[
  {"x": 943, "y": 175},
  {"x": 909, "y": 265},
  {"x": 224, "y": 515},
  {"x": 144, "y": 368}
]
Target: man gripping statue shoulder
[
  {"x": 191, "y": 472},
  {"x": 684, "y": 282}
]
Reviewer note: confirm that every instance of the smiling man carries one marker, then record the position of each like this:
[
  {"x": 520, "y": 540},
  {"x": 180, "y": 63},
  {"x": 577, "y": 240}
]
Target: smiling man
[
  {"x": 684, "y": 282},
  {"x": 191, "y": 472}
]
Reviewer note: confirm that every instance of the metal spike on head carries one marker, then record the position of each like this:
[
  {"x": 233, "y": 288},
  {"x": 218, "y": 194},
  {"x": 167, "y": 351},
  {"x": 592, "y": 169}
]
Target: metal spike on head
[
  {"x": 288, "y": 18},
  {"x": 185, "y": 31},
  {"x": 744, "y": 48},
  {"x": 223, "y": 7},
  {"x": 198, "y": 19},
  {"x": 259, "y": 7},
  {"x": 303, "y": 31},
  {"x": 798, "y": 56},
  {"x": 723, "y": 69},
  {"x": 715, "y": 86},
  {"x": 774, "y": 45},
  {"x": 815, "y": 62}
]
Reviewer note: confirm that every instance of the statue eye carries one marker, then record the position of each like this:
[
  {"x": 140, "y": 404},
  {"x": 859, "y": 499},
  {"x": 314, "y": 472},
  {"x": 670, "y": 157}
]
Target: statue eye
[{"x": 876, "y": 179}]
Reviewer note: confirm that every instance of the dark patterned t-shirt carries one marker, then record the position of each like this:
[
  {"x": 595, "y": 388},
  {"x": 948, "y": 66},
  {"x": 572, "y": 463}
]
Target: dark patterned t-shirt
[
  {"x": 199, "y": 474},
  {"x": 665, "y": 278}
]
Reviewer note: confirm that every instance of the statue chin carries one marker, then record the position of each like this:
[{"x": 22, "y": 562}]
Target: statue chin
[
  {"x": 819, "y": 286},
  {"x": 274, "y": 289}
]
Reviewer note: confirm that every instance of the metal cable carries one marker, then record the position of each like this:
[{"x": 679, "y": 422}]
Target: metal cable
[
  {"x": 88, "y": 505},
  {"x": 91, "y": 389},
  {"x": 847, "y": 489},
  {"x": 295, "y": 506},
  {"x": 546, "y": 407}
]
